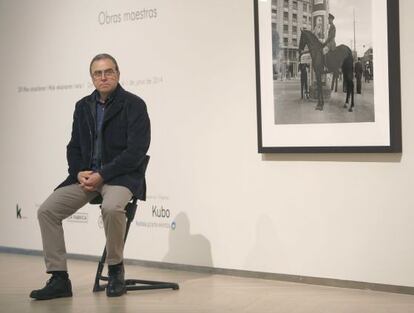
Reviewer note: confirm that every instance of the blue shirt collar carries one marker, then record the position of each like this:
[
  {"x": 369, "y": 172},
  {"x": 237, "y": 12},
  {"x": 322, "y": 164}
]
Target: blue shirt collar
[{"x": 96, "y": 97}]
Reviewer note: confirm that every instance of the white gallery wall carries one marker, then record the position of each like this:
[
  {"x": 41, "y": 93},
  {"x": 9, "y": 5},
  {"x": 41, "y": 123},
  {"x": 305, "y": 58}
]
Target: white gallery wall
[{"x": 212, "y": 199}]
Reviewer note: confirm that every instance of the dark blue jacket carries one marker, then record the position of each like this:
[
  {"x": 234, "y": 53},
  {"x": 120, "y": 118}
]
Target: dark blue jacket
[{"x": 126, "y": 137}]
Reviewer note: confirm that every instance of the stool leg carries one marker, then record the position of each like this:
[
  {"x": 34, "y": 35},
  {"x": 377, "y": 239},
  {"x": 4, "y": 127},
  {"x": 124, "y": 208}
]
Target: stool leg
[
  {"x": 98, "y": 277},
  {"x": 131, "y": 284}
]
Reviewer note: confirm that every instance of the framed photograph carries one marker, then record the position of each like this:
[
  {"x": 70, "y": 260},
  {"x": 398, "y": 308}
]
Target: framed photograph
[{"x": 328, "y": 76}]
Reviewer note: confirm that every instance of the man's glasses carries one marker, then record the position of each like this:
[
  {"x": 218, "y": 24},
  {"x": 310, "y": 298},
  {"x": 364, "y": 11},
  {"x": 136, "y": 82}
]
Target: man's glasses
[{"x": 109, "y": 73}]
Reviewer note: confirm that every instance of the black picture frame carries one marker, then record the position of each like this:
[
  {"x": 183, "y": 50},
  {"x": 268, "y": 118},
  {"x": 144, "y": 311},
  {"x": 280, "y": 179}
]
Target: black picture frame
[{"x": 394, "y": 140}]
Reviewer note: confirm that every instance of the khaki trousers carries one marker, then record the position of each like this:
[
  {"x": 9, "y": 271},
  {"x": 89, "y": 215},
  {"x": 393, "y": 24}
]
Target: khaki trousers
[{"x": 64, "y": 202}]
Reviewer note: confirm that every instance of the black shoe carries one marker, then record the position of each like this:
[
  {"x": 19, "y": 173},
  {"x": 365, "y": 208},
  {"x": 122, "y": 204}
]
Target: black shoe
[
  {"x": 116, "y": 281},
  {"x": 56, "y": 287}
]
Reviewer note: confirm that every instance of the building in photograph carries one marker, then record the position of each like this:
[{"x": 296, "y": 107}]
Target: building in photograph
[{"x": 288, "y": 17}]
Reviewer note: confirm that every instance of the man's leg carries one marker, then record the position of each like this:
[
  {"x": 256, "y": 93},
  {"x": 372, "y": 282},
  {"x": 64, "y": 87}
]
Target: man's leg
[
  {"x": 306, "y": 88},
  {"x": 359, "y": 83},
  {"x": 115, "y": 198},
  {"x": 62, "y": 203}
]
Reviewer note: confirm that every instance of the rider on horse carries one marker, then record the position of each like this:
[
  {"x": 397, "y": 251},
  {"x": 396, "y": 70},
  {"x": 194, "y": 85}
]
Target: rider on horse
[{"x": 330, "y": 41}]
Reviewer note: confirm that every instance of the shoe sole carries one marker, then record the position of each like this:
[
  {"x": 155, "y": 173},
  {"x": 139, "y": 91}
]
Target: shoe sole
[
  {"x": 63, "y": 295},
  {"x": 117, "y": 294}
]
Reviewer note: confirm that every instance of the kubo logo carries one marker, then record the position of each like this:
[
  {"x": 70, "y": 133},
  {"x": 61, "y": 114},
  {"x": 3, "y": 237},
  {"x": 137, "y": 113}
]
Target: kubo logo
[{"x": 160, "y": 212}]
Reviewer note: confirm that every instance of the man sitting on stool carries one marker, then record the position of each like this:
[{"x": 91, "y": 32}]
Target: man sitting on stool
[{"x": 109, "y": 142}]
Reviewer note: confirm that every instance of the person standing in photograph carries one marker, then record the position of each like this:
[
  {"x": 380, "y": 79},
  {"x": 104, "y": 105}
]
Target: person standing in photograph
[
  {"x": 366, "y": 73},
  {"x": 358, "y": 75},
  {"x": 303, "y": 80}
]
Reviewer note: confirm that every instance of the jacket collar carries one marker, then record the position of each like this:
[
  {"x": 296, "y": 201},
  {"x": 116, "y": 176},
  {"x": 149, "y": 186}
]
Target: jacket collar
[
  {"x": 115, "y": 106},
  {"x": 116, "y": 103}
]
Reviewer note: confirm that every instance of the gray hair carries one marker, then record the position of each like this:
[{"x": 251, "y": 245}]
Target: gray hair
[{"x": 103, "y": 56}]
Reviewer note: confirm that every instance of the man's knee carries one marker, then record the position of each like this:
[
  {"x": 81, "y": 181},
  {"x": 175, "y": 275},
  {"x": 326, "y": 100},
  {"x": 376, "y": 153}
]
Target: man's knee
[
  {"x": 44, "y": 211},
  {"x": 111, "y": 208}
]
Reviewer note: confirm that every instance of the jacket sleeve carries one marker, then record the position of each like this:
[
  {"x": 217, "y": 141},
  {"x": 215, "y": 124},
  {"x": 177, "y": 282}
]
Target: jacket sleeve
[
  {"x": 139, "y": 137},
  {"x": 331, "y": 34},
  {"x": 73, "y": 150}
]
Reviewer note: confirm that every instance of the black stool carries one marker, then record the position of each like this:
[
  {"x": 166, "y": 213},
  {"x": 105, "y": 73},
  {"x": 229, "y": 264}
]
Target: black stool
[{"x": 131, "y": 284}]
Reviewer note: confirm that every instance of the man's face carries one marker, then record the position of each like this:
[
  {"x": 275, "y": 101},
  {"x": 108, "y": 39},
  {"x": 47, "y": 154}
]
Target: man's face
[{"x": 105, "y": 77}]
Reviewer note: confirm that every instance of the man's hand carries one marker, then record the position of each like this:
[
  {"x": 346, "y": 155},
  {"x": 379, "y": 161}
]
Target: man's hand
[
  {"x": 89, "y": 180},
  {"x": 83, "y": 177},
  {"x": 93, "y": 181}
]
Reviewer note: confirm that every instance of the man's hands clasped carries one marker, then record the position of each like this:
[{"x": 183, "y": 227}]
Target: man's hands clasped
[{"x": 89, "y": 180}]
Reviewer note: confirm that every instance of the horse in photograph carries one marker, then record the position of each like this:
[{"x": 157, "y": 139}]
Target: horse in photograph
[{"x": 340, "y": 58}]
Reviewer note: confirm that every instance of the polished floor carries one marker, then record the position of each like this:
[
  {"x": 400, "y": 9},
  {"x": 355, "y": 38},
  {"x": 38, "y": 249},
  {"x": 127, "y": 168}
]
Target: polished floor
[{"x": 198, "y": 293}]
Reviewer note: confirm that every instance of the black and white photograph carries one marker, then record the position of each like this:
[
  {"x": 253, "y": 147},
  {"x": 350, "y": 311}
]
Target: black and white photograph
[{"x": 323, "y": 75}]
